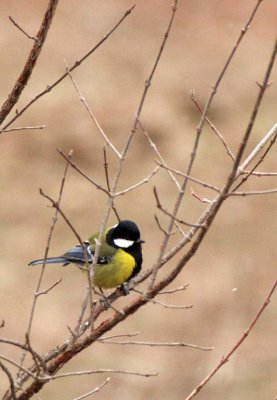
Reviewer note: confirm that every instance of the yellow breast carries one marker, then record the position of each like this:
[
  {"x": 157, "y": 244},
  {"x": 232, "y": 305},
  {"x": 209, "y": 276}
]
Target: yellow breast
[{"x": 116, "y": 272}]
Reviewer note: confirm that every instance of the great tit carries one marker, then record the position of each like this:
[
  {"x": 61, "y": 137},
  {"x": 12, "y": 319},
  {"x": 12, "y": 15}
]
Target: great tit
[{"x": 119, "y": 260}]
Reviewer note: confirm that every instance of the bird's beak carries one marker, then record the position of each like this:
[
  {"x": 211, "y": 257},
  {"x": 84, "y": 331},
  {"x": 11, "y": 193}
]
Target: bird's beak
[{"x": 140, "y": 241}]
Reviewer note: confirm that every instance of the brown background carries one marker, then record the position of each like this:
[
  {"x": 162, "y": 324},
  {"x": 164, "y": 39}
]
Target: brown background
[{"x": 240, "y": 249}]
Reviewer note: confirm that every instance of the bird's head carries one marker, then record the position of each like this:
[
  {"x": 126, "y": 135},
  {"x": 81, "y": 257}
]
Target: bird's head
[{"x": 124, "y": 235}]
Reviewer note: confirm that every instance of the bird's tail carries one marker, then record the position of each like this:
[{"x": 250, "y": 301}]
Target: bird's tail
[{"x": 51, "y": 260}]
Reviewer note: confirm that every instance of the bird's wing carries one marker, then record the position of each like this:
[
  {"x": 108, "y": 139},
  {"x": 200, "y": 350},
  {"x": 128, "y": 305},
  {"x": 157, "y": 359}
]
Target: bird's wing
[
  {"x": 106, "y": 251},
  {"x": 76, "y": 254}
]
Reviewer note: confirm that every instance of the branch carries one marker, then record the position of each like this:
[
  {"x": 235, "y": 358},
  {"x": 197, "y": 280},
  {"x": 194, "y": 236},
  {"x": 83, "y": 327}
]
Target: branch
[
  {"x": 9, "y": 375},
  {"x": 225, "y": 359},
  {"x": 87, "y": 107},
  {"x": 258, "y": 148},
  {"x": 202, "y": 183},
  {"x": 37, "y": 291},
  {"x": 22, "y": 30},
  {"x": 75, "y": 65},
  {"x": 136, "y": 185},
  {"x": 30, "y": 63},
  {"x": 229, "y": 152},
  {"x": 158, "y": 344},
  {"x": 195, "y": 147},
  {"x": 96, "y": 371},
  {"x": 23, "y": 128},
  {"x": 97, "y": 389}
]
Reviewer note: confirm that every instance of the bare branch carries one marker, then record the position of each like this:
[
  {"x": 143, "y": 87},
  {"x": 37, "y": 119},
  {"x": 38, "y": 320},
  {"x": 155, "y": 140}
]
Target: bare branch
[
  {"x": 226, "y": 358},
  {"x": 22, "y": 30},
  {"x": 202, "y": 199},
  {"x": 259, "y": 173},
  {"x": 216, "y": 131},
  {"x": 106, "y": 169},
  {"x": 9, "y": 375},
  {"x": 52, "y": 226},
  {"x": 118, "y": 336},
  {"x": 74, "y": 166},
  {"x": 96, "y": 371},
  {"x": 87, "y": 107},
  {"x": 27, "y": 371},
  {"x": 160, "y": 344},
  {"x": 95, "y": 390},
  {"x": 195, "y": 148},
  {"x": 257, "y": 149},
  {"x": 160, "y": 207},
  {"x": 244, "y": 179},
  {"x": 23, "y": 128},
  {"x": 257, "y": 192},
  {"x": 154, "y": 147},
  {"x": 30, "y": 63},
  {"x": 46, "y": 291},
  {"x": 181, "y": 288},
  {"x": 202, "y": 183},
  {"x": 75, "y": 65},
  {"x": 135, "y": 186},
  {"x": 161, "y": 228}
]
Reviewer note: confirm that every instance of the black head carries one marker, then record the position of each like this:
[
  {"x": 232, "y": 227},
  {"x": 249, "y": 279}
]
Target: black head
[{"x": 124, "y": 235}]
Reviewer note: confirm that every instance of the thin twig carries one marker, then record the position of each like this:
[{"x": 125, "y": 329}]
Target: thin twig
[
  {"x": 118, "y": 336},
  {"x": 74, "y": 66},
  {"x": 160, "y": 303},
  {"x": 36, "y": 357},
  {"x": 46, "y": 291},
  {"x": 160, "y": 207},
  {"x": 74, "y": 166},
  {"x": 87, "y": 107},
  {"x": 199, "y": 130},
  {"x": 27, "y": 371},
  {"x": 216, "y": 131},
  {"x": 154, "y": 147},
  {"x": 96, "y": 371},
  {"x": 106, "y": 169},
  {"x": 272, "y": 132},
  {"x": 170, "y": 291},
  {"x": 136, "y": 185},
  {"x": 202, "y": 183},
  {"x": 226, "y": 358},
  {"x": 253, "y": 193},
  {"x": 159, "y": 344},
  {"x": 30, "y": 63},
  {"x": 161, "y": 228},
  {"x": 245, "y": 177},
  {"x": 22, "y": 30},
  {"x": 52, "y": 226},
  {"x": 259, "y": 173},
  {"x": 95, "y": 390},
  {"x": 9, "y": 375},
  {"x": 22, "y": 128}
]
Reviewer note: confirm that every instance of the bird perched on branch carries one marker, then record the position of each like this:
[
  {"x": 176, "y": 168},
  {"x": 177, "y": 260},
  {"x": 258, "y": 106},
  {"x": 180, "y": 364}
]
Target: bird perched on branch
[{"x": 119, "y": 260}]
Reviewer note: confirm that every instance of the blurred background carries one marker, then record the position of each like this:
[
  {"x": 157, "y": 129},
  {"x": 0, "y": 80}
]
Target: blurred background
[{"x": 235, "y": 267}]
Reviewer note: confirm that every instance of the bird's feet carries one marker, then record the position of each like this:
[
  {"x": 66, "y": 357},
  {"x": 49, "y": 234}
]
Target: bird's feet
[{"x": 125, "y": 289}]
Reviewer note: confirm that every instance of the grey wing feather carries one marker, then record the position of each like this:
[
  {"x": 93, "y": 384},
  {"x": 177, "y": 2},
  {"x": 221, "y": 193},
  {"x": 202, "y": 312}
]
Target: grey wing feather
[{"x": 76, "y": 254}]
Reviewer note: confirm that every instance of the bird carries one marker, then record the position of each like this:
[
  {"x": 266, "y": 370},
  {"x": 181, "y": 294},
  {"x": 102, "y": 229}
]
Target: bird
[{"x": 120, "y": 257}]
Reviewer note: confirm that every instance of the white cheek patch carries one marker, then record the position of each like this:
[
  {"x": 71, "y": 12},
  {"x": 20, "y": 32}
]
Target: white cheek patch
[{"x": 124, "y": 243}]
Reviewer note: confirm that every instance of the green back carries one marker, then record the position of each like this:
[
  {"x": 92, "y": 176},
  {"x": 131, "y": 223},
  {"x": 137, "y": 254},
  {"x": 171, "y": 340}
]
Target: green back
[{"x": 106, "y": 250}]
